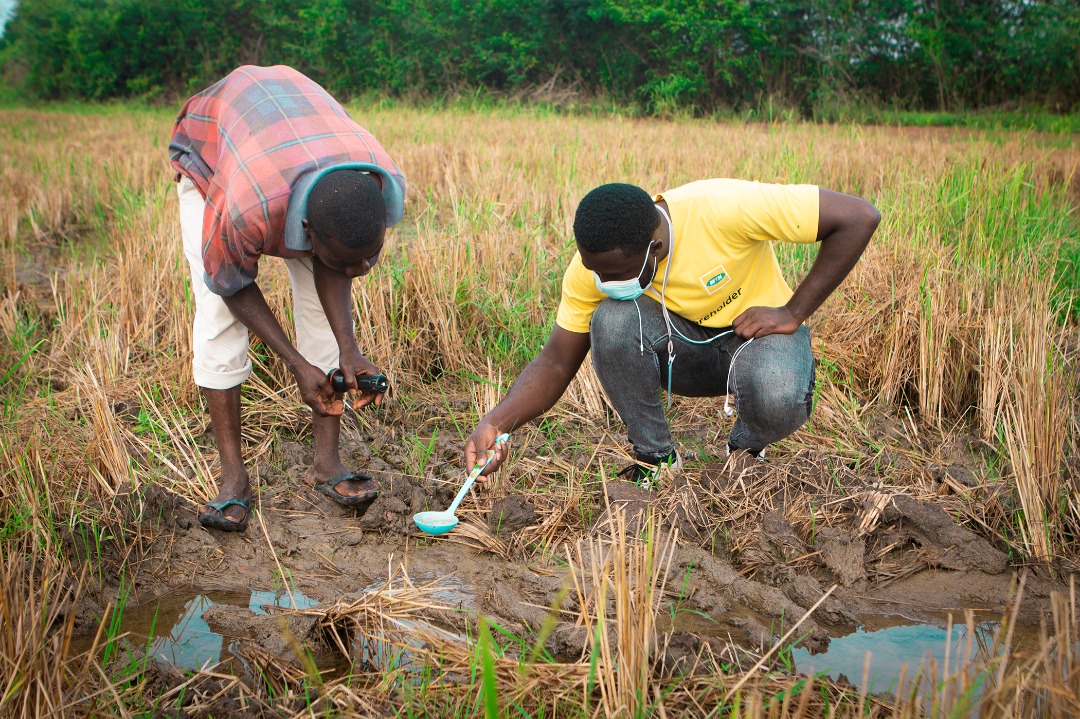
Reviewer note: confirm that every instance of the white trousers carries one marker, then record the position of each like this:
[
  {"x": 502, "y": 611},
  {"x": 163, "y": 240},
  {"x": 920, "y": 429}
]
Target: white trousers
[{"x": 219, "y": 340}]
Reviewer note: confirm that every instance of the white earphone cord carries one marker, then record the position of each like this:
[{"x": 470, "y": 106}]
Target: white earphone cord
[{"x": 672, "y": 330}]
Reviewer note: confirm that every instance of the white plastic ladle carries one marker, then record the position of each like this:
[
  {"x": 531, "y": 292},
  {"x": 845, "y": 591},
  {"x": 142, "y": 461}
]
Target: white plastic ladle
[{"x": 443, "y": 522}]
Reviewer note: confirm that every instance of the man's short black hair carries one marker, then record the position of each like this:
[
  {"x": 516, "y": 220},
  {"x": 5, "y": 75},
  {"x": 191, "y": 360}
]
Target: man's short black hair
[
  {"x": 615, "y": 216},
  {"x": 347, "y": 206}
]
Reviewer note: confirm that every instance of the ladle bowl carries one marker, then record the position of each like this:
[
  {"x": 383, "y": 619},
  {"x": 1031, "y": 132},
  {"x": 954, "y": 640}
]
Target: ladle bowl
[
  {"x": 442, "y": 522},
  {"x": 435, "y": 522}
]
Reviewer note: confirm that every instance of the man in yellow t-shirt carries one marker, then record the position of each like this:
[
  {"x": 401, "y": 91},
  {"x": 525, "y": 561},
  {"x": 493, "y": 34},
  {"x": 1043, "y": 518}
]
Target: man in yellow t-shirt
[{"x": 682, "y": 292}]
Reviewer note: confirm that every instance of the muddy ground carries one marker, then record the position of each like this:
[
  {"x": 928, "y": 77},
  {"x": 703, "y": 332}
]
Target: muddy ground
[{"x": 759, "y": 544}]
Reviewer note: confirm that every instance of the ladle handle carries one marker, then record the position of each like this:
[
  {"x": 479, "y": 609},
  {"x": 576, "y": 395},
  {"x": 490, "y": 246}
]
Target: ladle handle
[{"x": 501, "y": 439}]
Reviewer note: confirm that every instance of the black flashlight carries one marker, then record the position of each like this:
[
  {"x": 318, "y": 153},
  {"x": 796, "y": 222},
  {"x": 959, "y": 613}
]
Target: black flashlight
[{"x": 370, "y": 382}]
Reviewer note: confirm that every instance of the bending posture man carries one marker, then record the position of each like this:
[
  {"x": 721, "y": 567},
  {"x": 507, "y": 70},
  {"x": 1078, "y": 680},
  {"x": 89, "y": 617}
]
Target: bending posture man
[
  {"x": 683, "y": 292},
  {"x": 269, "y": 164}
]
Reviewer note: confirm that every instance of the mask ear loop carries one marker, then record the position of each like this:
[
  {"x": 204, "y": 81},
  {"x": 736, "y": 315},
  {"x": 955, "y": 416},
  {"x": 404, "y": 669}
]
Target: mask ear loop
[{"x": 640, "y": 326}]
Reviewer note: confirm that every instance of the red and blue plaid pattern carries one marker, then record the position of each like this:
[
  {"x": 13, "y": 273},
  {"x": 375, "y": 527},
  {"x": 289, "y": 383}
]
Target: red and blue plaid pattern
[{"x": 245, "y": 142}]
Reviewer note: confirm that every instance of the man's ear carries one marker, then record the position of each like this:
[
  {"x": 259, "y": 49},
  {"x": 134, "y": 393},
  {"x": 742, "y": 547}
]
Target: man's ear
[{"x": 308, "y": 232}]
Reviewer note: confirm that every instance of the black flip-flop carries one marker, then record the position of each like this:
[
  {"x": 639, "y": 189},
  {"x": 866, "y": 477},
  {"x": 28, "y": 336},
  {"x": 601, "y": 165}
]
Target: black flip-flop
[
  {"x": 219, "y": 521},
  {"x": 365, "y": 497}
]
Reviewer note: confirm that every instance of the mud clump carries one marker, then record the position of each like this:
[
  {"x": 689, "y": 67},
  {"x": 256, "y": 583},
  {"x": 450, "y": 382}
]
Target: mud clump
[
  {"x": 399, "y": 500},
  {"x": 633, "y": 501},
  {"x": 681, "y": 508},
  {"x": 806, "y": 591},
  {"x": 154, "y": 505},
  {"x": 780, "y": 537},
  {"x": 773, "y": 549},
  {"x": 843, "y": 553},
  {"x": 930, "y": 526},
  {"x": 569, "y": 641},
  {"x": 511, "y": 514}
]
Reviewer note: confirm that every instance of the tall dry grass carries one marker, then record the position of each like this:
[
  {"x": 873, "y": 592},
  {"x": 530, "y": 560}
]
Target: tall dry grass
[
  {"x": 970, "y": 349},
  {"x": 957, "y": 314},
  {"x": 630, "y": 574},
  {"x": 1036, "y": 418},
  {"x": 41, "y": 673}
]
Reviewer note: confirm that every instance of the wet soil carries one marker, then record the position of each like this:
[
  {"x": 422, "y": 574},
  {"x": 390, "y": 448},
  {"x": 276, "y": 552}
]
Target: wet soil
[{"x": 754, "y": 553}]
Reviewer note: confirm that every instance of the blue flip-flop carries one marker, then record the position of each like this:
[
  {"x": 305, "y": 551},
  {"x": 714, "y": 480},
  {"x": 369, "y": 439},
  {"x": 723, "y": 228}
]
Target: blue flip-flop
[
  {"x": 219, "y": 521},
  {"x": 369, "y": 489}
]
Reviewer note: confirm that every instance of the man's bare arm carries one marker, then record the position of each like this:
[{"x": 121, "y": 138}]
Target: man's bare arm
[
  {"x": 536, "y": 390},
  {"x": 249, "y": 306},
  {"x": 845, "y": 225}
]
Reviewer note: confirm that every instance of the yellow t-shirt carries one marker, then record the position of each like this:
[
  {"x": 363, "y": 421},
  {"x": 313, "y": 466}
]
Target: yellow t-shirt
[{"x": 722, "y": 260}]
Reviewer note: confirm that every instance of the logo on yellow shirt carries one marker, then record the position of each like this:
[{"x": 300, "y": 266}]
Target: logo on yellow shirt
[{"x": 715, "y": 278}]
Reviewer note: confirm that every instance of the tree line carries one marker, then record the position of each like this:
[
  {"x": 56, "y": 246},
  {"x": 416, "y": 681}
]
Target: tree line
[{"x": 810, "y": 56}]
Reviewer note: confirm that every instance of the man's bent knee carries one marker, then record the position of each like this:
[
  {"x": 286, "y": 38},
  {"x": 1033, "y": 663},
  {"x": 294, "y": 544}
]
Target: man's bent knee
[
  {"x": 774, "y": 385},
  {"x": 786, "y": 405},
  {"x": 615, "y": 325}
]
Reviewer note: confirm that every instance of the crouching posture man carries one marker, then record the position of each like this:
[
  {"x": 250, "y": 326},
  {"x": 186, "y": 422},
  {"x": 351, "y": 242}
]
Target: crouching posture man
[
  {"x": 683, "y": 292},
  {"x": 269, "y": 164}
]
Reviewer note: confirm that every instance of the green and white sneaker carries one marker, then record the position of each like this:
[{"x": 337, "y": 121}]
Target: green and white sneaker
[{"x": 650, "y": 471}]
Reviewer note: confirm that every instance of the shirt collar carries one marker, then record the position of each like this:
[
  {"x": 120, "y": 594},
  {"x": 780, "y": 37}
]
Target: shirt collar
[{"x": 392, "y": 192}]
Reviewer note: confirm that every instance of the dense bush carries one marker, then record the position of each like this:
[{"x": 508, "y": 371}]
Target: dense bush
[{"x": 662, "y": 55}]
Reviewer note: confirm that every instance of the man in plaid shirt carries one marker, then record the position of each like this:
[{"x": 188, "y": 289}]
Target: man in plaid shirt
[{"x": 269, "y": 164}]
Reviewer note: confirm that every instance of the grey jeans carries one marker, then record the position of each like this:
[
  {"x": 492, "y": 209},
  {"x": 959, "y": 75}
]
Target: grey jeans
[{"x": 772, "y": 379}]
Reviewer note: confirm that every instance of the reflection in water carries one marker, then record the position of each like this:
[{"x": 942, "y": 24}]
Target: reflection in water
[
  {"x": 174, "y": 631},
  {"x": 448, "y": 588},
  {"x": 189, "y": 643},
  {"x": 890, "y": 649}
]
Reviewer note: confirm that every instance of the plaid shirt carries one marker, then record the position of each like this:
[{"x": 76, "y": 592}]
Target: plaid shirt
[{"x": 245, "y": 142}]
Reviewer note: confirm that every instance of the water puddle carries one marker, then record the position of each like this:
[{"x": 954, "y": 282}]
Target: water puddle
[
  {"x": 173, "y": 629},
  {"x": 448, "y": 589},
  {"x": 895, "y": 642}
]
